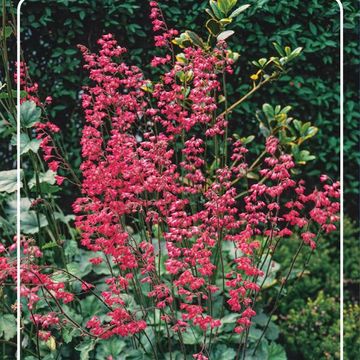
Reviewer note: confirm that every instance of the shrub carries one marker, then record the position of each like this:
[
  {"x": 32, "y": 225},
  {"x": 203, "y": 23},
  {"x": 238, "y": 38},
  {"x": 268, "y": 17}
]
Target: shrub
[
  {"x": 351, "y": 332},
  {"x": 351, "y": 255},
  {"x": 317, "y": 329},
  {"x": 322, "y": 272}
]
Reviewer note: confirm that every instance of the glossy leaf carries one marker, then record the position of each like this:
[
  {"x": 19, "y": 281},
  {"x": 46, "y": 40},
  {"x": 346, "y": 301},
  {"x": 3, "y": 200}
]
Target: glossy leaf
[
  {"x": 239, "y": 10},
  {"x": 214, "y": 27},
  {"x": 224, "y": 35}
]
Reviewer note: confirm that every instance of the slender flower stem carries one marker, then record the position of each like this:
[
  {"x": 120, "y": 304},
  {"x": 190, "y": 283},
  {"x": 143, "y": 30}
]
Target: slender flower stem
[
  {"x": 279, "y": 294},
  {"x": 246, "y": 96}
]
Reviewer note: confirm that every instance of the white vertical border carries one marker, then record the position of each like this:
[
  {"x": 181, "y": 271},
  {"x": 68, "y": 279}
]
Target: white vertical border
[
  {"x": 18, "y": 195},
  {"x": 341, "y": 8},
  {"x": 18, "y": 186}
]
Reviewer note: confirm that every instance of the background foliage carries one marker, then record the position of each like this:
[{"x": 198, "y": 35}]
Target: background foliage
[{"x": 52, "y": 29}]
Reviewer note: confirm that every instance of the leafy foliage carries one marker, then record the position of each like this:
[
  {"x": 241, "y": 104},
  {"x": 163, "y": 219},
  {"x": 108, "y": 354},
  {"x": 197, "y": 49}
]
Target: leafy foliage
[
  {"x": 322, "y": 269},
  {"x": 317, "y": 329},
  {"x": 351, "y": 332}
]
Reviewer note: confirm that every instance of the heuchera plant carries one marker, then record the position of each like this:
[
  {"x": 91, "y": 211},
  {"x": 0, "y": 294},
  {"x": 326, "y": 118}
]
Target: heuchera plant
[{"x": 181, "y": 213}]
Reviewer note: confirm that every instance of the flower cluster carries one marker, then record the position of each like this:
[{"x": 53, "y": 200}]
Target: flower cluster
[
  {"x": 29, "y": 88},
  {"x": 44, "y": 131},
  {"x": 37, "y": 285},
  {"x": 146, "y": 152},
  {"x": 159, "y": 26}
]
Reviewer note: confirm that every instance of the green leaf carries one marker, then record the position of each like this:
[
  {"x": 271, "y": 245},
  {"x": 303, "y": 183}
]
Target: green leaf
[
  {"x": 183, "y": 40},
  {"x": 225, "y": 21},
  {"x": 6, "y": 32},
  {"x": 305, "y": 127},
  {"x": 297, "y": 125},
  {"x": 48, "y": 177},
  {"x": 252, "y": 175},
  {"x": 262, "y": 62},
  {"x": 276, "y": 352},
  {"x": 49, "y": 245},
  {"x": 255, "y": 333},
  {"x": 29, "y": 114},
  {"x": 60, "y": 277},
  {"x": 277, "y": 109},
  {"x": 8, "y": 181},
  {"x": 279, "y": 49},
  {"x": 228, "y": 322},
  {"x": 215, "y": 9},
  {"x": 26, "y": 144},
  {"x": 294, "y": 53},
  {"x": 231, "y": 4},
  {"x": 247, "y": 140},
  {"x": 226, "y": 5},
  {"x": 191, "y": 336},
  {"x": 214, "y": 27},
  {"x": 224, "y": 35},
  {"x": 262, "y": 352},
  {"x": 79, "y": 269},
  {"x": 272, "y": 332},
  {"x": 46, "y": 188},
  {"x": 230, "y": 318},
  {"x": 223, "y": 352},
  {"x": 148, "y": 337},
  {"x": 223, "y": 5},
  {"x": 260, "y": 319},
  {"x": 69, "y": 333},
  {"x": 310, "y": 132},
  {"x": 270, "y": 279},
  {"x": 268, "y": 110},
  {"x": 5, "y": 95},
  {"x": 113, "y": 347},
  {"x": 11, "y": 207},
  {"x": 7, "y": 326},
  {"x": 91, "y": 305},
  {"x": 195, "y": 39},
  {"x": 70, "y": 52},
  {"x": 305, "y": 156},
  {"x": 285, "y": 110},
  {"x": 85, "y": 347},
  {"x": 313, "y": 28},
  {"x": 71, "y": 248},
  {"x": 239, "y": 10},
  {"x": 29, "y": 222}
]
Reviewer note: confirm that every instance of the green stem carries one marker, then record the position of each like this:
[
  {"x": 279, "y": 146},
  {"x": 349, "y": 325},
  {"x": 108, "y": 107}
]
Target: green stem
[
  {"x": 226, "y": 118},
  {"x": 254, "y": 89},
  {"x": 278, "y": 295}
]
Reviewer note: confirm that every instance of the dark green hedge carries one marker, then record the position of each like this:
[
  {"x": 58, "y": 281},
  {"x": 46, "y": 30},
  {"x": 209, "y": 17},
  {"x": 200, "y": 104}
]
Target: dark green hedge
[
  {"x": 53, "y": 28},
  {"x": 310, "y": 307}
]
